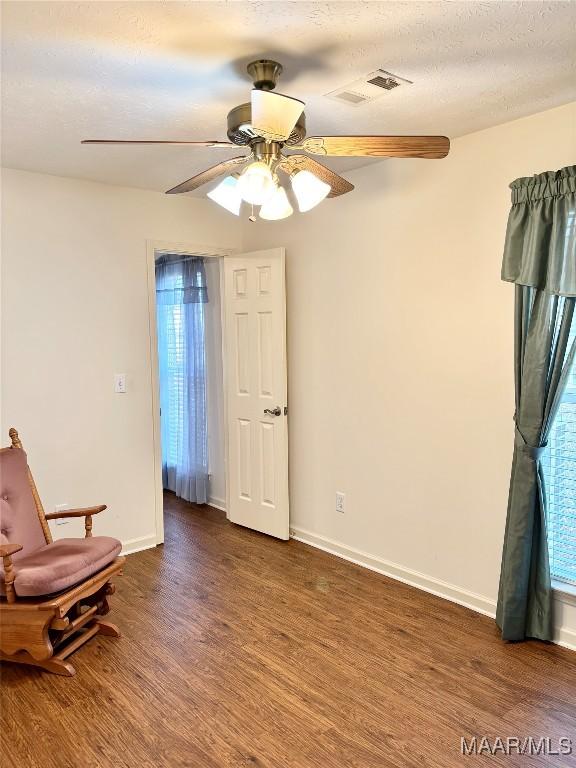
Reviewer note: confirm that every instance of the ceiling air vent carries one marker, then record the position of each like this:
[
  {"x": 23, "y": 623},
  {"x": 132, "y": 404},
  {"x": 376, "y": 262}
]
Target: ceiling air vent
[
  {"x": 368, "y": 88},
  {"x": 384, "y": 82}
]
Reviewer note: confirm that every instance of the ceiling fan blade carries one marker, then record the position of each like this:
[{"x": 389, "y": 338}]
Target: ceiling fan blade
[
  {"x": 338, "y": 184},
  {"x": 208, "y": 175},
  {"x": 273, "y": 116},
  {"x": 220, "y": 144},
  {"x": 431, "y": 147}
]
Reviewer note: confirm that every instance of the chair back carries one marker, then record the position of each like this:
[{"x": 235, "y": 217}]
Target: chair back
[{"x": 21, "y": 519}]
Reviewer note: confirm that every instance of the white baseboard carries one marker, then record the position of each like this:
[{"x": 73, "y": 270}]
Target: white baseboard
[
  {"x": 137, "y": 545},
  {"x": 566, "y": 638},
  {"x": 415, "y": 579},
  {"x": 218, "y": 503},
  {"x": 484, "y": 605},
  {"x": 566, "y": 596}
]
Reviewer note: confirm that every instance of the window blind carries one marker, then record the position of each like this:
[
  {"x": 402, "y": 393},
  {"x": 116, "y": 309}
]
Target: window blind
[{"x": 559, "y": 467}]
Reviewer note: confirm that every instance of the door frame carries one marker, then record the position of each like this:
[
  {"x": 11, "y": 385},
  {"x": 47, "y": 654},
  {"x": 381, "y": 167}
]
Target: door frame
[{"x": 156, "y": 248}]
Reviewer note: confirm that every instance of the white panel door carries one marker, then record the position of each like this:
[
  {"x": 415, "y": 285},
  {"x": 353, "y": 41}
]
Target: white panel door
[{"x": 256, "y": 391}]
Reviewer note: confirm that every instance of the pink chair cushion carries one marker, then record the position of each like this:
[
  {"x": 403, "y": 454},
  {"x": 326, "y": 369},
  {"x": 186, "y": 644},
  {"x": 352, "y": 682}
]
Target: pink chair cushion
[
  {"x": 19, "y": 523},
  {"x": 58, "y": 566}
]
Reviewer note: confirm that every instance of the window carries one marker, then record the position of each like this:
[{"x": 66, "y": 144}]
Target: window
[
  {"x": 180, "y": 297},
  {"x": 559, "y": 466},
  {"x": 173, "y": 365}
]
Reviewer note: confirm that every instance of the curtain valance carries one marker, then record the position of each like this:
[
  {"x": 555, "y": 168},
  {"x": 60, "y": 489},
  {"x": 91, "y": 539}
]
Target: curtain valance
[
  {"x": 180, "y": 280},
  {"x": 540, "y": 247}
]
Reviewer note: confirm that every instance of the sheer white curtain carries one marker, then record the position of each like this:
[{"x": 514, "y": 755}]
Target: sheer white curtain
[{"x": 180, "y": 297}]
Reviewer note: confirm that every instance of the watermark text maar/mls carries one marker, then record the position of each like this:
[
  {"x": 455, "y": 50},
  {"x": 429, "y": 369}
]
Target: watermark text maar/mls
[{"x": 516, "y": 745}]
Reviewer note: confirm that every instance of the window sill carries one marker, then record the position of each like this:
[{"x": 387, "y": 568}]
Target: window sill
[{"x": 564, "y": 592}]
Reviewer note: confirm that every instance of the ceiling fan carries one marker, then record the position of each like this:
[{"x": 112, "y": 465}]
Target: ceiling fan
[{"x": 269, "y": 124}]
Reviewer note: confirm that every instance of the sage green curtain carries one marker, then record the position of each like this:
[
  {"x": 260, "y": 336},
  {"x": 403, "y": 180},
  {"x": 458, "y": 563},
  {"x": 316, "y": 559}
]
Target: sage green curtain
[{"x": 540, "y": 258}]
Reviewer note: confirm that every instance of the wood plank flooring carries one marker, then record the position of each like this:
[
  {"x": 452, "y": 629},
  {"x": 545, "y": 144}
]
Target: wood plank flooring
[{"x": 239, "y": 650}]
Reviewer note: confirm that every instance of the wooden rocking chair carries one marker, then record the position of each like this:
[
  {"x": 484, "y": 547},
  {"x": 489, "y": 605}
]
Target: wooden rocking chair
[{"x": 54, "y": 593}]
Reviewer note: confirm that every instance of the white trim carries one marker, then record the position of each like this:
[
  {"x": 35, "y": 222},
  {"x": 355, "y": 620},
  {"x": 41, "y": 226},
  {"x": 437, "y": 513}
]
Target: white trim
[
  {"x": 217, "y": 503},
  {"x": 479, "y": 603},
  {"x": 155, "y": 393},
  {"x": 224, "y": 383},
  {"x": 137, "y": 545},
  {"x": 436, "y": 587},
  {"x": 153, "y": 248},
  {"x": 189, "y": 249},
  {"x": 564, "y": 592},
  {"x": 566, "y": 638}
]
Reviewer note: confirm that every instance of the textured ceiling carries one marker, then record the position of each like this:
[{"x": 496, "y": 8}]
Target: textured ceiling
[{"x": 73, "y": 70}]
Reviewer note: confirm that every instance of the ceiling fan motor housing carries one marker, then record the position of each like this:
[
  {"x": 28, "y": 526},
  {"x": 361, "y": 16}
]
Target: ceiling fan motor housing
[{"x": 240, "y": 127}]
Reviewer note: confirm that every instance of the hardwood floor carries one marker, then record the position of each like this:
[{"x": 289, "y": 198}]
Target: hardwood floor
[{"x": 241, "y": 650}]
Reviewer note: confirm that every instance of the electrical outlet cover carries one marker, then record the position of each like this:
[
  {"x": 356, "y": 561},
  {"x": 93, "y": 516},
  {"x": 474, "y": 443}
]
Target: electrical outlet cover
[{"x": 120, "y": 383}]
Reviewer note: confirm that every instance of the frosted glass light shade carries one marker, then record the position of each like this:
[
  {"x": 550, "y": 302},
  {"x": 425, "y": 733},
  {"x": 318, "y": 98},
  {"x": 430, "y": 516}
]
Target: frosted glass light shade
[
  {"x": 276, "y": 207},
  {"x": 309, "y": 190},
  {"x": 256, "y": 184},
  {"x": 227, "y": 195},
  {"x": 274, "y": 115}
]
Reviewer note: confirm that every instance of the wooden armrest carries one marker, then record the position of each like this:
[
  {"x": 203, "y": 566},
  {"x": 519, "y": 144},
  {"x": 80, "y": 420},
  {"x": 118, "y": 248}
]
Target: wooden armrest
[
  {"x": 82, "y": 512},
  {"x": 85, "y": 512},
  {"x": 6, "y": 550},
  {"x": 9, "y": 549}
]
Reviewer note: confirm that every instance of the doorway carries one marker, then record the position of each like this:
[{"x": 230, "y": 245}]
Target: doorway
[
  {"x": 187, "y": 368},
  {"x": 219, "y": 382}
]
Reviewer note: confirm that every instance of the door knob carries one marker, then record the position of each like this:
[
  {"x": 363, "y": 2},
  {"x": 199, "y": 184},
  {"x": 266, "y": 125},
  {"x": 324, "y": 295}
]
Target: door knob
[{"x": 274, "y": 412}]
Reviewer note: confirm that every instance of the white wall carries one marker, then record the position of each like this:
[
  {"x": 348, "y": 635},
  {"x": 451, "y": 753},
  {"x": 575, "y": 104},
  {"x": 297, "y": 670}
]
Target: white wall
[
  {"x": 74, "y": 312},
  {"x": 400, "y": 359}
]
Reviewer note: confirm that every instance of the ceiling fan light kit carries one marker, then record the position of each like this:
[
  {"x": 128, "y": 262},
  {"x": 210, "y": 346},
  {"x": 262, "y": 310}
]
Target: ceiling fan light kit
[
  {"x": 270, "y": 123},
  {"x": 309, "y": 190},
  {"x": 277, "y": 207},
  {"x": 227, "y": 195},
  {"x": 256, "y": 184}
]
